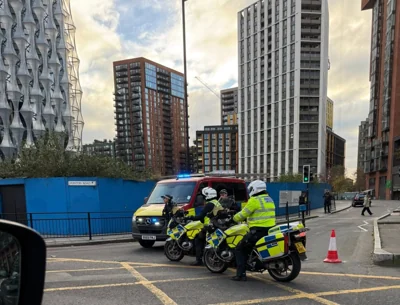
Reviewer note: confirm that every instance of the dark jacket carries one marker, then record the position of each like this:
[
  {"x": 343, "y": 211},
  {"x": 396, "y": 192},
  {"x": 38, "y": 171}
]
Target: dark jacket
[
  {"x": 206, "y": 210},
  {"x": 167, "y": 211},
  {"x": 327, "y": 198}
]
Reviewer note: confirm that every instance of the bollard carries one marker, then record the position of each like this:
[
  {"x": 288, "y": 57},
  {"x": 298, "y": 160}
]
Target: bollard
[{"x": 89, "y": 227}]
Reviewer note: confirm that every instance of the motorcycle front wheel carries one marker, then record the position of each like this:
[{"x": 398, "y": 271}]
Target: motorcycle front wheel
[
  {"x": 172, "y": 251},
  {"x": 213, "y": 263},
  {"x": 291, "y": 270}
]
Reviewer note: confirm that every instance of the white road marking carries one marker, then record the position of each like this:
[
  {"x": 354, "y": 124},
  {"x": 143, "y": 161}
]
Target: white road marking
[{"x": 361, "y": 226}]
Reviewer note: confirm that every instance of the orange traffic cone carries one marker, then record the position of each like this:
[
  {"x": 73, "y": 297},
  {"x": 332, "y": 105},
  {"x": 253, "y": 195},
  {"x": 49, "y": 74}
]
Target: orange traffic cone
[{"x": 332, "y": 256}]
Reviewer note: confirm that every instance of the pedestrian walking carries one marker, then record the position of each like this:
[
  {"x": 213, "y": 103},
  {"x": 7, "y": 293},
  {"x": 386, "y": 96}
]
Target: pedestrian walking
[
  {"x": 327, "y": 201},
  {"x": 367, "y": 204}
]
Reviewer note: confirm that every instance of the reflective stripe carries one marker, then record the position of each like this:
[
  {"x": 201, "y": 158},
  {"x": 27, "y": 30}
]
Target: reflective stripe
[
  {"x": 246, "y": 210},
  {"x": 260, "y": 218}
]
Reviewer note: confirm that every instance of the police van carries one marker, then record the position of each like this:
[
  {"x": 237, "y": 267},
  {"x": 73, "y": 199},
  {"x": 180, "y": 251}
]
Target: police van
[{"x": 148, "y": 224}]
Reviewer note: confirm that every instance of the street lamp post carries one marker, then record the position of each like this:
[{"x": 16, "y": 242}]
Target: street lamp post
[{"x": 186, "y": 86}]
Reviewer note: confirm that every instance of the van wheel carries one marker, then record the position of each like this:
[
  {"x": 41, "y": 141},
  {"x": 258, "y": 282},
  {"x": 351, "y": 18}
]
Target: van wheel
[{"x": 147, "y": 243}]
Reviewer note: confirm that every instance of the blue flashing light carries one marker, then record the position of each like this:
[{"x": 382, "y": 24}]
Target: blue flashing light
[
  {"x": 154, "y": 219},
  {"x": 184, "y": 176}
]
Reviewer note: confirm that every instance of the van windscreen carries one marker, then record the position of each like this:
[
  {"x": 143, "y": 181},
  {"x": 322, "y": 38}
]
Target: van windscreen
[{"x": 181, "y": 192}]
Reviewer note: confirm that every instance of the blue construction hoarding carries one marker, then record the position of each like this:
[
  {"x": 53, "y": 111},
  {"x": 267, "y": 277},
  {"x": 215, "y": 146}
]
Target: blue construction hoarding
[{"x": 61, "y": 206}]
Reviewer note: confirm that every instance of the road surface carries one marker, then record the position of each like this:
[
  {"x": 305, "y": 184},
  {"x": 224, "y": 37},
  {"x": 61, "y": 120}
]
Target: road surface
[{"x": 128, "y": 274}]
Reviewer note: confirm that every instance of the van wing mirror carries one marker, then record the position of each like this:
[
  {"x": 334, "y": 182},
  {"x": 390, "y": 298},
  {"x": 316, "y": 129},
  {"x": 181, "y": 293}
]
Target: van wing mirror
[{"x": 22, "y": 281}]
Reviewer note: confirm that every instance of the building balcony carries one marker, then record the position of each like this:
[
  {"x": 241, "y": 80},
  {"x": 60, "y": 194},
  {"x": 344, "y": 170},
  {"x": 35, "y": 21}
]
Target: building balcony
[
  {"x": 135, "y": 72},
  {"x": 121, "y": 68}
]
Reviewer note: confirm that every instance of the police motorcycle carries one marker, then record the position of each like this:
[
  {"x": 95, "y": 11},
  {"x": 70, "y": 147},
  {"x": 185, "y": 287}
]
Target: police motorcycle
[
  {"x": 281, "y": 252},
  {"x": 182, "y": 233}
]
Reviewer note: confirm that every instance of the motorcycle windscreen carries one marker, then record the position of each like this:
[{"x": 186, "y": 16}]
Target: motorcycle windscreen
[
  {"x": 216, "y": 238},
  {"x": 176, "y": 232}
]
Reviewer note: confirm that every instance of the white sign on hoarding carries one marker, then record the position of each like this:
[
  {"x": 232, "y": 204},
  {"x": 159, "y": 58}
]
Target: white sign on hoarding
[
  {"x": 290, "y": 197},
  {"x": 82, "y": 183}
]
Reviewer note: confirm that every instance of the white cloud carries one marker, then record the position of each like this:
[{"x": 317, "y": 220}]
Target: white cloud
[{"x": 212, "y": 56}]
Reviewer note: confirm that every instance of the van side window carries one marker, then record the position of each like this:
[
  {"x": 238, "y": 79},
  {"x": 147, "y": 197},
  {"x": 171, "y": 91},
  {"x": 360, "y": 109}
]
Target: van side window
[{"x": 238, "y": 190}]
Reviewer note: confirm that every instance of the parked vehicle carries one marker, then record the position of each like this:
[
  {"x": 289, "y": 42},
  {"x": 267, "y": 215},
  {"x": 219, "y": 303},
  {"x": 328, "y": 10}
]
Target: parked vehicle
[
  {"x": 281, "y": 252},
  {"x": 358, "y": 200},
  {"x": 148, "y": 224}
]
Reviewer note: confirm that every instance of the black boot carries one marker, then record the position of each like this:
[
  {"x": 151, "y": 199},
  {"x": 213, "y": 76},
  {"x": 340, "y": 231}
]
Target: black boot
[
  {"x": 197, "y": 263},
  {"x": 242, "y": 278}
]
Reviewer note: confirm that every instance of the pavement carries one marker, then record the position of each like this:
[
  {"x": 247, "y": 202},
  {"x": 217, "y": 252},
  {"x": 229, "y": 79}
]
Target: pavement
[
  {"x": 125, "y": 273},
  {"x": 386, "y": 244},
  {"x": 122, "y": 238}
]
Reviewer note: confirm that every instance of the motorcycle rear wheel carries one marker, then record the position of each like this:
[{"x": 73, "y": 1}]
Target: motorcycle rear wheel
[
  {"x": 172, "y": 251},
  {"x": 213, "y": 263},
  {"x": 293, "y": 261}
]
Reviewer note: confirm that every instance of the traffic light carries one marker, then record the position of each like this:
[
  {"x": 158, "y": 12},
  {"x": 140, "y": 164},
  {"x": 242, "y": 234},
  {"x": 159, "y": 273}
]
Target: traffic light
[
  {"x": 306, "y": 173},
  {"x": 311, "y": 176}
]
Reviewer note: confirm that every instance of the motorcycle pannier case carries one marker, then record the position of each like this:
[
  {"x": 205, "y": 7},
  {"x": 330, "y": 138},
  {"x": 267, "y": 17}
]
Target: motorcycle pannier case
[{"x": 271, "y": 246}]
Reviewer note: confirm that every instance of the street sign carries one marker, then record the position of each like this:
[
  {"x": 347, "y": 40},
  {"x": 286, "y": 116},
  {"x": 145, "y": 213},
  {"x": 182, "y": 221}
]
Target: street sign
[
  {"x": 291, "y": 197},
  {"x": 388, "y": 184}
]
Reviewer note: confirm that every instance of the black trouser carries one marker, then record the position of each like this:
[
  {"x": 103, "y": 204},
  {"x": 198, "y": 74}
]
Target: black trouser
[
  {"x": 245, "y": 247},
  {"x": 327, "y": 206},
  {"x": 200, "y": 242},
  {"x": 366, "y": 209}
]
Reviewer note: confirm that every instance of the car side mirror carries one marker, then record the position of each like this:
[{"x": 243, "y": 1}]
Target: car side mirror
[
  {"x": 22, "y": 279},
  {"x": 145, "y": 199}
]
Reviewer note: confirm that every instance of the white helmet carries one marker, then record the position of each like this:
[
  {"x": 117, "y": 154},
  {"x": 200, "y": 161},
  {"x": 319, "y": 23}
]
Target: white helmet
[
  {"x": 209, "y": 193},
  {"x": 256, "y": 187}
]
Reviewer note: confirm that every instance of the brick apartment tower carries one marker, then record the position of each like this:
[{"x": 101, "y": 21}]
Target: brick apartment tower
[
  {"x": 382, "y": 160},
  {"x": 150, "y": 116}
]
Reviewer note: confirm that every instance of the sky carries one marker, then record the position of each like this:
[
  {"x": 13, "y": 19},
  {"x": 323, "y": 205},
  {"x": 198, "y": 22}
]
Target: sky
[{"x": 111, "y": 30}]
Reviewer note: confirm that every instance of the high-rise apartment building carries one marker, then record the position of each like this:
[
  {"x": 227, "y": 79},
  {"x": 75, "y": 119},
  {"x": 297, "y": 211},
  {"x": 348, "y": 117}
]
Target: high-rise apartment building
[
  {"x": 229, "y": 106},
  {"x": 329, "y": 113},
  {"x": 150, "y": 115},
  {"x": 283, "y": 72},
  {"x": 100, "y": 148},
  {"x": 382, "y": 167},
  {"x": 217, "y": 148},
  {"x": 362, "y": 141},
  {"x": 39, "y": 74}
]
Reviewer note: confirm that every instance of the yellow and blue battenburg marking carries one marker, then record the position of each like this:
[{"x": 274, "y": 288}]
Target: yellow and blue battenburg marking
[
  {"x": 176, "y": 232},
  {"x": 216, "y": 238},
  {"x": 284, "y": 228},
  {"x": 271, "y": 246}
]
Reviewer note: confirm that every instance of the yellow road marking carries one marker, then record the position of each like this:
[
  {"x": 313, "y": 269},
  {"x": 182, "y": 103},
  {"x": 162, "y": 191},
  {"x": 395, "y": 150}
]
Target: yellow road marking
[
  {"x": 165, "y": 299},
  {"x": 88, "y": 287},
  {"x": 83, "y": 270},
  {"x": 379, "y": 277},
  {"x": 307, "y": 295},
  {"x": 361, "y": 290},
  {"x": 266, "y": 300},
  {"x": 129, "y": 284},
  {"x": 136, "y": 264}
]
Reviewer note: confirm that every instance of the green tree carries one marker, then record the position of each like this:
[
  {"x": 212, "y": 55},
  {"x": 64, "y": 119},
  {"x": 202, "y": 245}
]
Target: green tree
[
  {"x": 290, "y": 177},
  {"x": 48, "y": 158}
]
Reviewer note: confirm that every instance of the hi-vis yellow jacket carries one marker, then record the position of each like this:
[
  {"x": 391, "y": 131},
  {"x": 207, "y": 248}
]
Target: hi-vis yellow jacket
[{"x": 259, "y": 212}]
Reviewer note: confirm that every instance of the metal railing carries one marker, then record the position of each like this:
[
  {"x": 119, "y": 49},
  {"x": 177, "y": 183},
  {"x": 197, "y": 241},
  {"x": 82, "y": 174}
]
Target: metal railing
[{"x": 78, "y": 224}]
